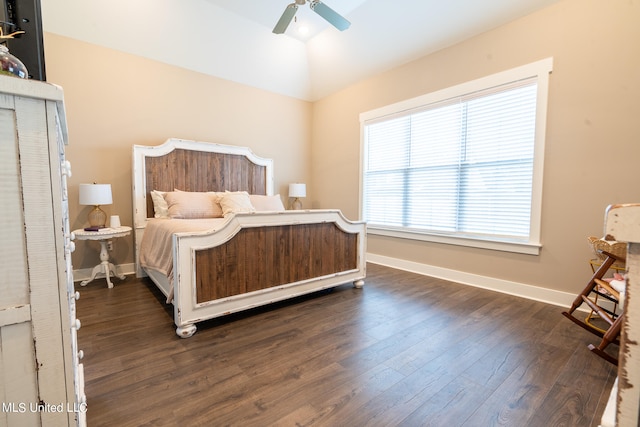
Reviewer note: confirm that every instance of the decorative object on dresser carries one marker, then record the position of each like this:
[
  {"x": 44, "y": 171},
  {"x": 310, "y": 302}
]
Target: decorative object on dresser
[
  {"x": 296, "y": 191},
  {"x": 212, "y": 251},
  {"x": 24, "y": 19},
  {"x": 105, "y": 236},
  {"x": 42, "y": 377},
  {"x": 96, "y": 195},
  {"x": 9, "y": 64}
]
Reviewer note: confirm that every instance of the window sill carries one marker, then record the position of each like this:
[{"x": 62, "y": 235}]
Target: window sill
[{"x": 496, "y": 245}]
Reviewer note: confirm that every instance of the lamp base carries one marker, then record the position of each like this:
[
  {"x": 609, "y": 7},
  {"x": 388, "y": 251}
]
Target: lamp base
[
  {"x": 296, "y": 205},
  {"x": 97, "y": 217}
]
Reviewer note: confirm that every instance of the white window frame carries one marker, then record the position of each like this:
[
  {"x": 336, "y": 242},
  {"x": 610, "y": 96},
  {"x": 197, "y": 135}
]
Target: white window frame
[{"x": 539, "y": 70}]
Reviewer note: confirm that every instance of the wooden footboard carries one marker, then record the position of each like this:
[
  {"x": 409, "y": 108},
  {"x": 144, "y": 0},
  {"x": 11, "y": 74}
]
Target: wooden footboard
[
  {"x": 259, "y": 259},
  {"x": 264, "y": 257}
]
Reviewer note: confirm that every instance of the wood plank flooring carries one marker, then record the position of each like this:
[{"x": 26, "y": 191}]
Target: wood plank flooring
[{"x": 406, "y": 350}]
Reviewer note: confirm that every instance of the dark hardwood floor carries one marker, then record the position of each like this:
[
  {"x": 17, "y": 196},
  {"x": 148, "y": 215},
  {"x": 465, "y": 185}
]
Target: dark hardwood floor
[{"x": 406, "y": 350}]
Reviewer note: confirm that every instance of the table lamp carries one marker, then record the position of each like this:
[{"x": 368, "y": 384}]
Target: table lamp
[
  {"x": 296, "y": 191},
  {"x": 96, "y": 195}
]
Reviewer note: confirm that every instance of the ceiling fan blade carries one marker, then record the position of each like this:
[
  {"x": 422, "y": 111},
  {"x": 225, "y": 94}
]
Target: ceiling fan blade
[
  {"x": 285, "y": 19},
  {"x": 330, "y": 15}
]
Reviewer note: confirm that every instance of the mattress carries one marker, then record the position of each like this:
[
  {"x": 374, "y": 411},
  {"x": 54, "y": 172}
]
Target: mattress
[{"x": 156, "y": 246}]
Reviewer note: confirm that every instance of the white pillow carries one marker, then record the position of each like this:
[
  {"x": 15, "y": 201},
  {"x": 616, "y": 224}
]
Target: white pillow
[
  {"x": 160, "y": 206},
  {"x": 236, "y": 202},
  {"x": 266, "y": 203},
  {"x": 187, "y": 204}
]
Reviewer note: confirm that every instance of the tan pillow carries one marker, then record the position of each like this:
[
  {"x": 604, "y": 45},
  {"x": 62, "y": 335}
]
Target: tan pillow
[
  {"x": 266, "y": 203},
  {"x": 216, "y": 196},
  {"x": 160, "y": 207},
  {"x": 236, "y": 202},
  {"x": 186, "y": 204}
]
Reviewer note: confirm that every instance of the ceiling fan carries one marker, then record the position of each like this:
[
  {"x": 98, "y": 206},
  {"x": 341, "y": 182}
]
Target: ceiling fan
[{"x": 330, "y": 15}]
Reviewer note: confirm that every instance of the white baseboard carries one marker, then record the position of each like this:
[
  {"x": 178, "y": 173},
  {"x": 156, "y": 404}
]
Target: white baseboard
[
  {"x": 536, "y": 293},
  {"x": 549, "y": 296},
  {"x": 85, "y": 273}
]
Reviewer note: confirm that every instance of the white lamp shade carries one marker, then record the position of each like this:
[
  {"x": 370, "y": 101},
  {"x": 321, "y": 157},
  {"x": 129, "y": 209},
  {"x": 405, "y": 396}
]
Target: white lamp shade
[
  {"x": 297, "y": 190},
  {"x": 95, "y": 194}
]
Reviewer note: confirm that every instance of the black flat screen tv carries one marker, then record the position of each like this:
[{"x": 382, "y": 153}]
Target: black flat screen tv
[{"x": 24, "y": 15}]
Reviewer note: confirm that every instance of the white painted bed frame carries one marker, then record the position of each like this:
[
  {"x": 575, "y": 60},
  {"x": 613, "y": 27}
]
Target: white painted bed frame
[{"x": 187, "y": 311}]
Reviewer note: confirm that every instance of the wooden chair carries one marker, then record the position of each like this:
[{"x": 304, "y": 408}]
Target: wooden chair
[
  {"x": 612, "y": 334},
  {"x": 593, "y": 288},
  {"x": 596, "y": 294}
]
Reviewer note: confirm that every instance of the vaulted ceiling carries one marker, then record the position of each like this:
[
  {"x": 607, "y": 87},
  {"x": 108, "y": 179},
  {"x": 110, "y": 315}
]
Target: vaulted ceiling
[{"x": 233, "y": 39}]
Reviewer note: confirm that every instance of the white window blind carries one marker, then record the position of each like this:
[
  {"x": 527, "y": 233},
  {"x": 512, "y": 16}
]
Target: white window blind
[{"x": 463, "y": 166}]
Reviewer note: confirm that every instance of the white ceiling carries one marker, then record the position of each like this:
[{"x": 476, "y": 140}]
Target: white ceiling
[{"x": 233, "y": 39}]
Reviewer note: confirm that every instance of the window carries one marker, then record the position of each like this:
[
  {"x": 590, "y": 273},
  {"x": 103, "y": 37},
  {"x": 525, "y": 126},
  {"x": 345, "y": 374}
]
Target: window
[{"x": 462, "y": 165}]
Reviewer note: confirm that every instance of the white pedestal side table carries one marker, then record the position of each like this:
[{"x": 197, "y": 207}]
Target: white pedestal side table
[{"x": 104, "y": 236}]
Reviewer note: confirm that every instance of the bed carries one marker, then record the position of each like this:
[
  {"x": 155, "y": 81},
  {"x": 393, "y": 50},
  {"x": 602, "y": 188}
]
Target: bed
[{"x": 245, "y": 258}]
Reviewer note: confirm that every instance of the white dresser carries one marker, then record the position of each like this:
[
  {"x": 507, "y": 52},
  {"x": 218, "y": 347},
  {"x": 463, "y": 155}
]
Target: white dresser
[
  {"x": 41, "y": 377},
  {"x": 622, "y": 223}
]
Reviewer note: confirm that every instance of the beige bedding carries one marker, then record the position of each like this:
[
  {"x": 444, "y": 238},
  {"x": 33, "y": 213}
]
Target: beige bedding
[{"x": 156, "y": 246}]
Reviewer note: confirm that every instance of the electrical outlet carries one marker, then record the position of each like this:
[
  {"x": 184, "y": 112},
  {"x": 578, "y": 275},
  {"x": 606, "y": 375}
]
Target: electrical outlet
[{"x": 110, "y": 245}]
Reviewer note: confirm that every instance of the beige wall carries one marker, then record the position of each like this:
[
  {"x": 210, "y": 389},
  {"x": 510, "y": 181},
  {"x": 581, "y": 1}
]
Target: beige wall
[
  {"x": 592, "y": 145},
  {"x": 115, "y": 100}
]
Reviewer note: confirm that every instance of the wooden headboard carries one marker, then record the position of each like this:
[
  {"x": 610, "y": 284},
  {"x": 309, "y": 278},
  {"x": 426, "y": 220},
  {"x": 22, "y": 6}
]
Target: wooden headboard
[{"x": 195, "y": 166}]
